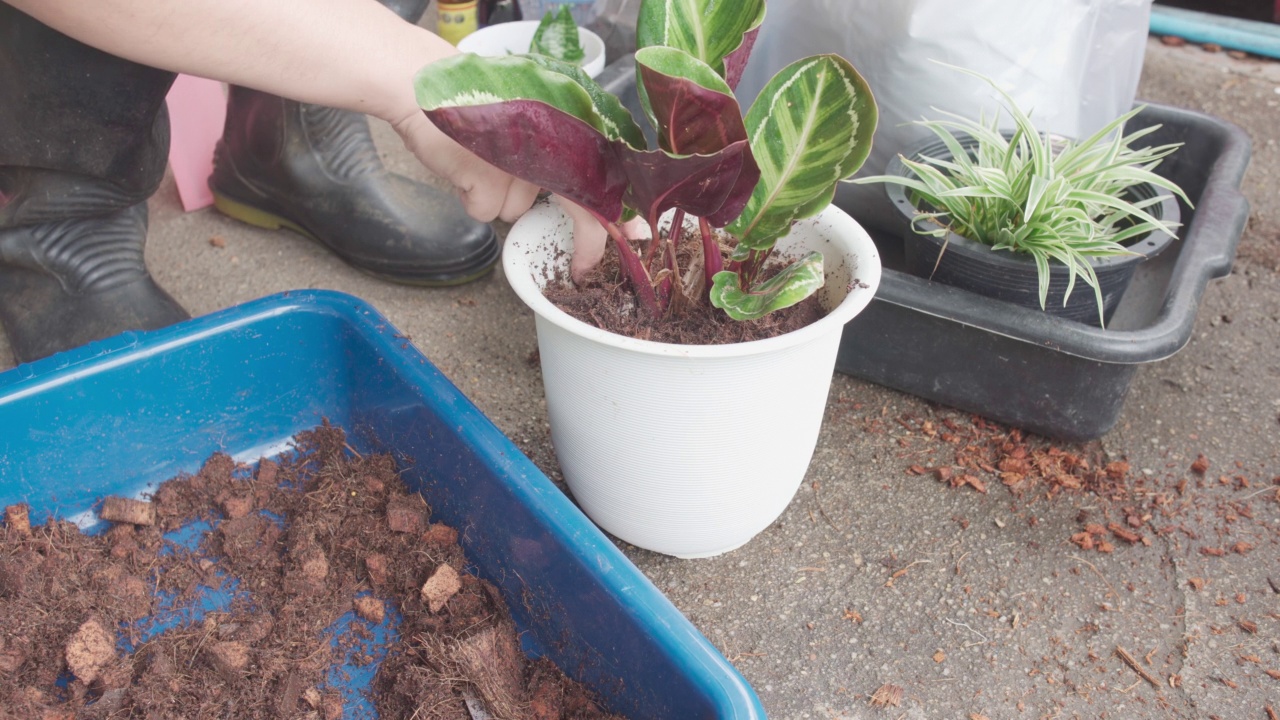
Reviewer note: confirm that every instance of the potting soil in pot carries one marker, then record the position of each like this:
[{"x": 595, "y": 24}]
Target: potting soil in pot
[
  {"x": 312, "y": 587},
  {"x": 605, "y": 300}
]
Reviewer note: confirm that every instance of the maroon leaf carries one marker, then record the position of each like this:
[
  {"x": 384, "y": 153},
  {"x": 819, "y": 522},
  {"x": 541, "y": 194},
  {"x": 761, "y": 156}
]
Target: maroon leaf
[
  {"x": 544, "y": 145},
  {"x": 736, "y": 62},
  {"x": 692, "y": 119},
  {"x": 698, "y": 184},
  {"x": 740, "y": 194}
]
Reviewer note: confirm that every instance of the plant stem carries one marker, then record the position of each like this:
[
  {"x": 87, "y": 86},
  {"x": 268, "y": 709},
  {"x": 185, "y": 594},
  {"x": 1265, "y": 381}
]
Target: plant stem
[
  {"x": 671, "y": 285},
  {"x": 632, "y": 267},
  {"x": 674, "y": 234},
  {"x": 748, "y": 269},
  {"x": 712, "y": 262},
  {"x": 654, "y": 244}
]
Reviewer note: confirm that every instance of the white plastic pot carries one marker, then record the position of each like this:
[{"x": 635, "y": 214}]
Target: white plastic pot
[
  {"x": 688, "y": 450},
  {"x": 514, "y": 38}
]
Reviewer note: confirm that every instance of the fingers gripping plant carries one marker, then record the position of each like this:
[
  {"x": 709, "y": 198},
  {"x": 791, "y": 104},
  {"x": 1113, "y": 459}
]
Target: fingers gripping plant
[{"x": 754, "y": 176}]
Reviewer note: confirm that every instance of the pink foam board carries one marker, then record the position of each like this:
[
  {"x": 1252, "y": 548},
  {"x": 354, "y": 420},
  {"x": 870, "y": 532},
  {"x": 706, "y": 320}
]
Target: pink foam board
[{"x": 197, "y": 109}]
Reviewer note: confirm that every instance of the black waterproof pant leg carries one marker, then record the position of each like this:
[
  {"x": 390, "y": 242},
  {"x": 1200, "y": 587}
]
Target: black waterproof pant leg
[
  {"x": 82, "y": 132},
  {"x": 84, "y": 141}
]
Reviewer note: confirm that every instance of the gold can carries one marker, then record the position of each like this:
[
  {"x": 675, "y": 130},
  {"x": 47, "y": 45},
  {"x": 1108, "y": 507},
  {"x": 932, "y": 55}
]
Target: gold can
[{"x": 456, "y": 20}]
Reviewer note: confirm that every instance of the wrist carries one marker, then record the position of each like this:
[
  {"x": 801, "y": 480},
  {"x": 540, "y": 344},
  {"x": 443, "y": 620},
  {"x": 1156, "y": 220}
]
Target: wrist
[{"x": 395, "y": 100}]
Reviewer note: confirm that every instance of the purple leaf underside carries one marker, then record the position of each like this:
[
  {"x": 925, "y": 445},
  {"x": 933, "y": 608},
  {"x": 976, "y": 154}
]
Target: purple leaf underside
[
  {"x": 692, "y": 119},
  {"x": 701, "y": 185},
  {"x": 736, "y": 62},
  {"x": 739, "y": 195},
  {"x": 547, "y": 147}
]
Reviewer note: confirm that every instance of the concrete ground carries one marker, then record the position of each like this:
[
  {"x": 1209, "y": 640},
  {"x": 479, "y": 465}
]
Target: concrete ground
[{"x": 974, "y": 604}]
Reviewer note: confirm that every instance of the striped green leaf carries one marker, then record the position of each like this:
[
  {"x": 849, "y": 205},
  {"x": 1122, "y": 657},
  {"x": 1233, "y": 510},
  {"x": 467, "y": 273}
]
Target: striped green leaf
[
  {"x": 795, "y": 283},
  {"x": 720, "y": 33},
  {"x": 809, "y": 128},
  {"x": 557, "y": 36}
]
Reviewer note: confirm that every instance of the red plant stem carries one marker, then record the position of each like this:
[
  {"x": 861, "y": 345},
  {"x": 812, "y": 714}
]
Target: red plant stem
[
  {"x": 667, "y": 287},
  {"x": 654, "y": 244},
  {"x": 677, "y": 227},
  {"x": 632, "y": 267},
  {"x": 712, "y": 262},
  {"x": 751, "y": 267}
]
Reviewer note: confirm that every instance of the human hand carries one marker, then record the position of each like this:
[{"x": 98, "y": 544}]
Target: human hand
[
  {"x": 590, "y": 237},
  {"x": 486, "y": 192}
]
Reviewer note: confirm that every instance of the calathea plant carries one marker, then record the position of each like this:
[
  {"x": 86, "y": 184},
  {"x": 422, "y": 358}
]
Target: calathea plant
[{"x": 547, "y": 122}]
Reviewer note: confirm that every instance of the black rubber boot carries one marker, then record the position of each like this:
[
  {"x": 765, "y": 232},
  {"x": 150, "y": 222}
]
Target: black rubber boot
[
  {"x": 316, "y": 170},
  {"x": 84, "y": 141},
  {"x": 66, "y": 283}
]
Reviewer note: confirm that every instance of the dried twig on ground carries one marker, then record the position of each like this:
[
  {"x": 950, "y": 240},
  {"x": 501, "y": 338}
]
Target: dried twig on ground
[{"x": 1131, "y": 662}]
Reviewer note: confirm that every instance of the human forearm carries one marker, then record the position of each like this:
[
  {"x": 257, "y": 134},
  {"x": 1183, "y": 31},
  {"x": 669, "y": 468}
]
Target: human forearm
[{"x": 353, "y": 54}]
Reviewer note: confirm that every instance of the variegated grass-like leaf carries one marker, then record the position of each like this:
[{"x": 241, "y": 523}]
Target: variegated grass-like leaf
[
  {"x": 810, "y": 127},
  {"x": 1054, "y": 199}
]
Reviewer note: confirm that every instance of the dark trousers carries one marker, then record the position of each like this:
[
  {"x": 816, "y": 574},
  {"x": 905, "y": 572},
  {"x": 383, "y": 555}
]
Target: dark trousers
[{"x": 82, "y": 132}]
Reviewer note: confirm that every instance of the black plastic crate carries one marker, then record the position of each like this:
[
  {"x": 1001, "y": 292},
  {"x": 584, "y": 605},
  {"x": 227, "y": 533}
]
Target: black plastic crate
[{"x": 1049, "y": 375}]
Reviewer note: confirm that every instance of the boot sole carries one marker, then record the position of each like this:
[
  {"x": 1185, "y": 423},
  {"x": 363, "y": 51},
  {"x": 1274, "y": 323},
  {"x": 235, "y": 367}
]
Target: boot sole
[{"x": 258, "y": 217}]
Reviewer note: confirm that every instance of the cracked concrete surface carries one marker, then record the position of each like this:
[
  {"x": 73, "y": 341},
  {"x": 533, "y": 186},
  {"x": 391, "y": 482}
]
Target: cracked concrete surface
[{"x": 992, "y": 610}]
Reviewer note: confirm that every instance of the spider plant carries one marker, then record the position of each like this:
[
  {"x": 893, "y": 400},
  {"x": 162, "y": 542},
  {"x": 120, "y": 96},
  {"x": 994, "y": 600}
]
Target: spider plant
[{"x": 1026, "y": 191}]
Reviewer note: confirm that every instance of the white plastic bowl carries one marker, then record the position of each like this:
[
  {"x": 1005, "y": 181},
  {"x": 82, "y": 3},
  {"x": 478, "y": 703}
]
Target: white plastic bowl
[{"x": 514, "y": 38}]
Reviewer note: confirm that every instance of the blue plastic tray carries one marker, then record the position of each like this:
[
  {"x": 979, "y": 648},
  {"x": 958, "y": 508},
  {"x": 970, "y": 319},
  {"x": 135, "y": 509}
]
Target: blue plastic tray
[{"x": 119, "y": 416}]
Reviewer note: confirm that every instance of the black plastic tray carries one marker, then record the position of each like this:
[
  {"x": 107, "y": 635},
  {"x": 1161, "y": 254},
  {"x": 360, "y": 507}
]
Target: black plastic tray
[
  {"x": 1023, "y": 367},
  {"x": 1052, "y": 376}
]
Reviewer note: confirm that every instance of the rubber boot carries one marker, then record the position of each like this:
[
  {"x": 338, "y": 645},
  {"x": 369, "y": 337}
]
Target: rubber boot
[
  {"x": 70, "y": 282},
  {"x": 84, "y": 141},
  {"x": 316, "y": 170}
]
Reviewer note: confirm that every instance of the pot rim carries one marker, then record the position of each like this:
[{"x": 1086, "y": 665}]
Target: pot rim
[
  {"x": 843, "y": 231},
  {"x": 900, "y": 198},
  {"x": 1143, "y": 248}
]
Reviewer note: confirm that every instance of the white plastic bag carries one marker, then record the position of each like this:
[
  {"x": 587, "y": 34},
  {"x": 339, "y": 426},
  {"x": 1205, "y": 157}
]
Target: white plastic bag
[
  {"x": 584, "y": 11},
  {"x": 1074, "y": 64}
]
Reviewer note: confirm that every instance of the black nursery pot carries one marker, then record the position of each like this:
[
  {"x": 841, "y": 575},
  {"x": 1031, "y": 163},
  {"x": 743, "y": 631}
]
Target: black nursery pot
[{"x": 1013, "y": 277}]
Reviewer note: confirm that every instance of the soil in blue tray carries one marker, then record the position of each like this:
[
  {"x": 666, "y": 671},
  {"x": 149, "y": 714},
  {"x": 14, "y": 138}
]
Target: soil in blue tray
[{"x": 315, "y": 587}]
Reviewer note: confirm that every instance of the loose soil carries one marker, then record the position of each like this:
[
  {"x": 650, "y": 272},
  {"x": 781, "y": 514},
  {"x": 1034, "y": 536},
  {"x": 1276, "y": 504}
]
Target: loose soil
[
  {"x": 605, "y": 300},
  {"x": 297, "y": 544}
]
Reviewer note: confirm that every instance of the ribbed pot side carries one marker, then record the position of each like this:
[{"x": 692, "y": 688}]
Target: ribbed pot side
[{"x": 687, "y": 450}]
